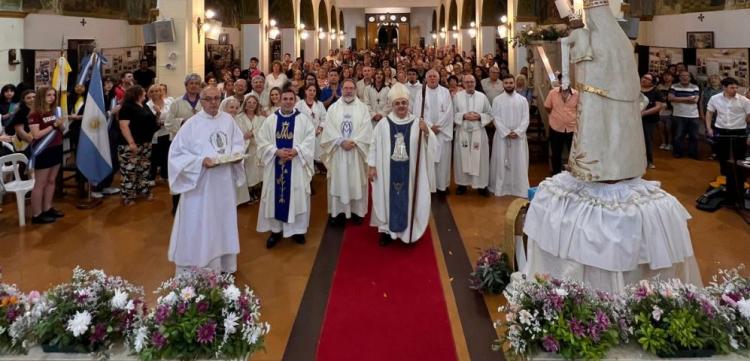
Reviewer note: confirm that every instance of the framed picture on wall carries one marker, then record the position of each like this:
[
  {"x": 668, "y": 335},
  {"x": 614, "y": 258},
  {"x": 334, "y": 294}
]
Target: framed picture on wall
[
  {"x": 700, "y": 39},
  {"x": 224, "y": 39}
]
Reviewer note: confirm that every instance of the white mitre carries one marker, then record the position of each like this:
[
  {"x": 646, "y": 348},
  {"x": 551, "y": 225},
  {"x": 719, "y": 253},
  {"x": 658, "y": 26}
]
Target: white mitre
[{"x": 398, "y": 91}]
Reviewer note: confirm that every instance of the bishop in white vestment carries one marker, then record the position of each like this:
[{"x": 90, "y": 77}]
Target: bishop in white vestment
[
  {"x": 393, "y": 172},
  {"x": 509, "y": 166},
  {"x": 204, "y": 233},
  {"x": 438, "y": 113},
  {"x": 286, "y": 147},
  {"x": 346, "y": 143},
  {"x": 471, "y": 148}
]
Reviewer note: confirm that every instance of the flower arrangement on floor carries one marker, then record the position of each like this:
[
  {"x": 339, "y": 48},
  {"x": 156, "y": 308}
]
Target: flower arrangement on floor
[
  {"x": 562, "y": 317},
  {"x": 14, "y": 328},
  {"x": 670, "y": 319},
  {"x": 200, "y": 315},
  {"x": 88, "y": 314},
  {"x": 492, "y": 272},
  {"x": 733, "y": 293}
]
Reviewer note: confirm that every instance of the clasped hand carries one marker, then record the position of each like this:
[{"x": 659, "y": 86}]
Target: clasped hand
[
  {"x": 286, "y": 154},
  {"x": 348, "y": 144}
]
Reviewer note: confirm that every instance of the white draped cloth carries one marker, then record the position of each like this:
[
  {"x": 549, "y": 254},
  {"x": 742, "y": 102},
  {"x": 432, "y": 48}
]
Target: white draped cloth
[
  {"x": 438, "y": 111},
  {"x": 608, "y": 235},
  {"x": 509, "y": 166},
  {"x": 471, "y": 148},
  {"x": 317, "y": 112},
  {"x": 347, "y": 170},
  {"x": 380, "y": 158},
  {"x": 204, "y": 233},
  {"x": 302, "y": 172}
]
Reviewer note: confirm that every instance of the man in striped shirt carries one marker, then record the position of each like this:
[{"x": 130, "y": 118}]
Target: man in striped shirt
[{"x": 685, "y": 117}]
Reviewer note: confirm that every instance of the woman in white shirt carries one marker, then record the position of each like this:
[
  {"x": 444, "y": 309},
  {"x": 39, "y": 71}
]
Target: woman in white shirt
[
  {"x": 314, "y": 109},
  {"x": 250, "y": 120},
  {"x": 376, "y": 97},
  {"x": 162, "y": 139},
  {"x": 277, "y": 78}
]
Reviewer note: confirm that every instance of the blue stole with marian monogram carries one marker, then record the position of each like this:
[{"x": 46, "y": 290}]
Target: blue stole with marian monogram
[
  {"x": 399, "y": 182},
  {"x": 283, "y": 169}
]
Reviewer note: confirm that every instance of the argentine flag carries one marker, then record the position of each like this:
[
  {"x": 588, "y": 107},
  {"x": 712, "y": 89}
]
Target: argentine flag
[{"x": 93, "y": 158}]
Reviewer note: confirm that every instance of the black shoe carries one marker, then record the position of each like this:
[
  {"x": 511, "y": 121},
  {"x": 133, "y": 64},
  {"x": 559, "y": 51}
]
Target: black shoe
[
  {"x": 356, "y": 220},
  {"x": 42, "y": 219},
  {"x": 385, "y": 239},
  {"x": 484, "y": 192},
  {"x": 53, "y": 213},
  {"x": 460, "y": 190},
  {"x": 272, "y": 240},
  {"x": 299, "y": 238},
  {"x": 336, "y": 221},
  {"x": 442, "y": 193}
]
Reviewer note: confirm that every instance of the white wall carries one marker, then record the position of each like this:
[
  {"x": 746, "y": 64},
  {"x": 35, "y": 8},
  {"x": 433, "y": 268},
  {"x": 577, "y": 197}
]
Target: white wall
[
  {"x": 11, "y": 37},
  {"x": 46, "y": 32},
  {"x": 353, "y": 17},
  {"x": 730, "y": 29},
  {"x": 422, "y": 17},
  {"x": 250, "y": 43}
]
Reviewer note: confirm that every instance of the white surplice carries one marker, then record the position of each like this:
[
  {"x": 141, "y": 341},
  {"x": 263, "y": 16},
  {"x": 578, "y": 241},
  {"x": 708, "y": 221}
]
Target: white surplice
[
  {"x": 317, "y": 112},
  {"x": 438, "y": 111},
  {"x": 204, "y": 233},
  {"x": 471, "y": 148},
  {"x": 347, "y": 170},
  {"x": 253, "y": 169},
  {"x": 414, "y": 89},
  {"x": 377, "y": 101},
  {"x": 302, "y": 172},
  {"x": 509, "y": 166},
  {"x": 380, "y": 158}
]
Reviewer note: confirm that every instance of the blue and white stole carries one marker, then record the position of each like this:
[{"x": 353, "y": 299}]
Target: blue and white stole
[
  {"x": 399, "y": 178},
  {"x": 283, "y": 169}
]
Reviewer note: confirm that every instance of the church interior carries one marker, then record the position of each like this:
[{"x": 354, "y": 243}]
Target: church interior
[{"x": 341, "y": 295}]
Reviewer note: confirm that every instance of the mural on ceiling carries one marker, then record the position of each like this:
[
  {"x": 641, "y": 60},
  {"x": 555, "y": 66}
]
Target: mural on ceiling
[
  {"x": 669, "y": 7},
  {"x": 132, "y": 10}
]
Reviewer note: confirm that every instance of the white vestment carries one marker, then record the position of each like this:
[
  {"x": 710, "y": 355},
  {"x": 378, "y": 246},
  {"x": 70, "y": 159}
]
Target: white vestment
[
  {"x": 509, "y": 166},
  {"x": 302, "y": 172},
  {"x": 204, "y": 233},
  {"x": 414, "y": 90},
  {"x": 471, "y": 148},
  {"x": 253, "y": 168},
  {"x": 380, "y": 158},
  {"x": 318, "y": 115},
  {"x": 347, "y": 170},
  {"x": 378, "y": 102},
  {"x": 438, "y": 111}
]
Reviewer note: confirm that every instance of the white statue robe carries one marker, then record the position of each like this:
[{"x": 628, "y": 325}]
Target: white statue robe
[
  {"x": 509, "y": 166},
  {"x": 380, "y": 158},
  {"x": 347, "y": 170},
  {"x": 438, "y": 111},
  {"x": 471, "y": 147},
  {"x": 204, "y": 233},
  {"x": 253, "y": 168},
  {"x": 317, "y": 112},
  {"x": 378, "y": 102},
  {"x": 302, "y": 172}
]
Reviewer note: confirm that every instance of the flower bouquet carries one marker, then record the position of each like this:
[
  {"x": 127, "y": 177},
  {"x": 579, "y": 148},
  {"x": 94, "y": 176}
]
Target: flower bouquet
[
  {"x": 200, "y": 315},
  {"x": 14, "y": 327},
  {"x": 733, "y": 292},
  {"x": 562, "y": 317},
  {"x": 87, "y": 315},
  {"x": 672, "y": 319},
  {"x": 492, "y": 272},
  {"x": 538, "y": 33}
]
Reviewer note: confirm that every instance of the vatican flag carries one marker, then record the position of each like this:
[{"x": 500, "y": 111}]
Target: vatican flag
[{"x": 60, "y": 83}]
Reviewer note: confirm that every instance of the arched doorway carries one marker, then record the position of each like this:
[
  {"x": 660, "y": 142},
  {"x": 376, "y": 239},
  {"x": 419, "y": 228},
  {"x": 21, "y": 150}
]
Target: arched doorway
[{"x": 388, "y": 37}]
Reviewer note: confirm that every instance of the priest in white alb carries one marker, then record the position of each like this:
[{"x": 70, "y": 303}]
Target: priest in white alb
[
  {"x": 204, "y": 233},
  {"x": 286, "y": 148},
  {"x": 401, "y": 180},
  {"x": 471, "y": 148},
  {"x": 438, "y": 113},
  {"x": 509, "y": 166},
  {"x": 346, "y": 142}
]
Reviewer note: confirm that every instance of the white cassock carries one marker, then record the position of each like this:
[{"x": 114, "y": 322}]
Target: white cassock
[
  {"x": 378, "y": 102},
  {"x": 253, "y": 169},
  {"x": 347, "y": 170},
  {"x": 438, "y": 111},
  {"x": 204, "y": 233},
  {"x": 471, "y": 148},
  {"x": 509, "y": 166},
  {"x": 414, "y": 89},
  {"x": 316, "y": 112},
  {"x": 302, "y": 172},
  {"x": 380, "y": 158}
]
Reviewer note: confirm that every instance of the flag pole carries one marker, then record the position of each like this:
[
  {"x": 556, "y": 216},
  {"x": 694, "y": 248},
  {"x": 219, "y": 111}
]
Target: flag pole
[
  {"x": 416, "y": 171},
  {"x": 88, "y": 202}
]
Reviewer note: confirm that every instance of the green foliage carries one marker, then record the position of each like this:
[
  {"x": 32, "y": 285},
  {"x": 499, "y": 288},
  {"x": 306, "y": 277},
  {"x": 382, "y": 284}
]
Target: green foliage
[
  {"x": 538, "y": 33},
  {"x": 492, "y": 272}
]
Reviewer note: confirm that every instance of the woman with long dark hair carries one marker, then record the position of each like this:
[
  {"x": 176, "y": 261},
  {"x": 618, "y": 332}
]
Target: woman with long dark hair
[
  {"x": 7, "y": 102},
  {"x": 42, "y": 122},
  {"x": 137, "y": 124}
]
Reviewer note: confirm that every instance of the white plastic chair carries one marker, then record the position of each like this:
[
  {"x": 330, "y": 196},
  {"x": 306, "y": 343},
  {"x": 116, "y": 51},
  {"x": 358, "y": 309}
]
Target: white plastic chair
[{"x": 10, "y": 165}]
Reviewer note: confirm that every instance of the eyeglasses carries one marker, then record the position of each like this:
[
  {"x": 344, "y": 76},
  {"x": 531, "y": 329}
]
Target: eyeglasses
[{"x": 211, "y": 99}]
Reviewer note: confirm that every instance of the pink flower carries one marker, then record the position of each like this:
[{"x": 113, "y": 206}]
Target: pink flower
[
  {"x": 550, "y": 344},
  {"x": 207, "y": 332}
]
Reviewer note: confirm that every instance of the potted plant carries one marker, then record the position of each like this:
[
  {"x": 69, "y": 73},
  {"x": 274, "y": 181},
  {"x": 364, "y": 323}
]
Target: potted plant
[
  {"x": 200, "y": 315},
  {"x": 14, "y": 327},
  {"x": 492, "y": 272}
]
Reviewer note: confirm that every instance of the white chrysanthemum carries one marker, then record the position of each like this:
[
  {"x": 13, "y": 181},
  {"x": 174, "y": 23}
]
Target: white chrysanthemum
[
  {"x": 732, "y": 342},
  {"x": 561, "y": 292},
  {"x": 232, "y": 293},
  {"x": 743, "y": 306},
  {"x": 130, "y": 306},
  {"x": 525, "y": 317},
  {"x": 170, "y": 299},
  {"x": 187, "y": 293},
  {"x": 79, "y": 324},
  {"x": 230, "y": 323},
  {"x": 119, "y": 300},
  {"x": 140, "y": 338},
  {"x": 656, "y": 313}
]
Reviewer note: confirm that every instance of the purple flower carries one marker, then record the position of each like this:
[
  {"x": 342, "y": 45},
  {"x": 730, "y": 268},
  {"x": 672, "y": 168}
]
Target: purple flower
[
  {"x": 158, "y": 340},
  {"x": 99, "y": 334},
  {"x": 162, "y": 313},
  {"x": 11, "y": 314},
  {"x": 708, "y": 309},
  {"x": 182, "y": 308},
  {"x": 556, "y": 302},
  {"x": 576, "y": 328},
  {"x": 602, "y": 321},
  {"x": 595, "y": 332},
  {"x": 640, "y": 293},
  {"x": 207, "y": 332},
  {"x": 202, "y": 306},
  {"x": 550, "y": 344}
]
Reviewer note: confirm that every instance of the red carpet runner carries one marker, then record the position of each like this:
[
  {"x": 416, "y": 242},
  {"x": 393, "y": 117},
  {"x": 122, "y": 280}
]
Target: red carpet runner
[{"x": 386, "y": 303}]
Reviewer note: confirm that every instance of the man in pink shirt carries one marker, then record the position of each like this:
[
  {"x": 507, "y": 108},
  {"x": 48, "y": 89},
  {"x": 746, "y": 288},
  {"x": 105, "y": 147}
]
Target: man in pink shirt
[{"x": 562, "y": 108}]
